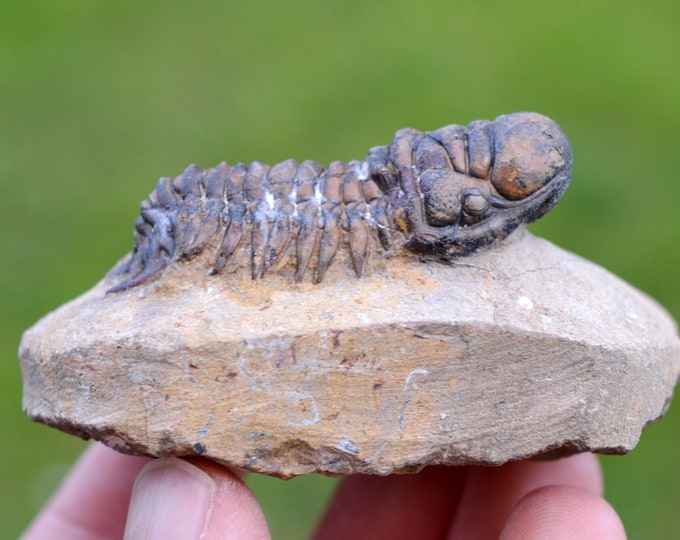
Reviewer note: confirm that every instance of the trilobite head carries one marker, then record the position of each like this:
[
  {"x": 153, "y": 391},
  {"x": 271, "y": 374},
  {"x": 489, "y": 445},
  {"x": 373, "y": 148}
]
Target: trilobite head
[
  {"x": 478, "y": 183},
  {"x": 529, "y": 151}
]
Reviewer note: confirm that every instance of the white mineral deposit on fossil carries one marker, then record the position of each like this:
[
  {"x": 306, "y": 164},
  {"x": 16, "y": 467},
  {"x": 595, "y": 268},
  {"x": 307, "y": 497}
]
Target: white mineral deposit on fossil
[{"x": 411, "y": 343}]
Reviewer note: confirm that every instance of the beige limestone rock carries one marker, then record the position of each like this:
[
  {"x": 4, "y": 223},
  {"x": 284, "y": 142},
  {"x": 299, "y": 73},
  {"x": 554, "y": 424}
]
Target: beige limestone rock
[{"x": 524, "y": 350}]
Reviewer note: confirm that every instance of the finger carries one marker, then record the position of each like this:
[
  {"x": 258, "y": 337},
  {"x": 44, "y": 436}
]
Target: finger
[
  {"x": 175, "y": 498},
  {"x": 398, "y": 506},
  {"x": 93, "y": 500},
  {"x": 492, "y": 492},
  {"x": 563, "y": 513},
  {"x": 236, "y": 513}
]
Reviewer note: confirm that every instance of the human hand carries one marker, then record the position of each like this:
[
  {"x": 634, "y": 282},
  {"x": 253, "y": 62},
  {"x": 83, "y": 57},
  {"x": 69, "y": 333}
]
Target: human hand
[{"x": 110, "y": 495}]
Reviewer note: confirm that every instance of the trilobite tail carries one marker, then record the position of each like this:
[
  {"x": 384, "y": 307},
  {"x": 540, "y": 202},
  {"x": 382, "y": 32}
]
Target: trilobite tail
[
  {"x": 177, "y": 221},
  {"x": 152, "y": 268},
  {"x": 154, "y": 241},
  {"x": 146, "y": 261}
]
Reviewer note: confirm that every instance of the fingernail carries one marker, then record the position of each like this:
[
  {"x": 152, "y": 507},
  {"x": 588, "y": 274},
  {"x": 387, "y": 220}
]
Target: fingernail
[{"x": 171, "y": 499}]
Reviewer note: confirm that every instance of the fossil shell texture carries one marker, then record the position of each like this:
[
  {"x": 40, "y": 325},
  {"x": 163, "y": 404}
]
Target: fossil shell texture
[{"x": 440, "y": 195}]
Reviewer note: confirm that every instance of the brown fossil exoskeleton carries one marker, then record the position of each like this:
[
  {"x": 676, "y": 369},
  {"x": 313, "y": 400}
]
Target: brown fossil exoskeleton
[{"x": 442, "y": 195}]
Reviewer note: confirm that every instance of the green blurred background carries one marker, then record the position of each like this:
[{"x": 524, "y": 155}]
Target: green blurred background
[{"x": 99, "y": 99}]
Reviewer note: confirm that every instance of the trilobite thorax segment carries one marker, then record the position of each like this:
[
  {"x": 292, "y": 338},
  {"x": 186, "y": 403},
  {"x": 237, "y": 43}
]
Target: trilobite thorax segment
[{"x": 442, "y": 194}]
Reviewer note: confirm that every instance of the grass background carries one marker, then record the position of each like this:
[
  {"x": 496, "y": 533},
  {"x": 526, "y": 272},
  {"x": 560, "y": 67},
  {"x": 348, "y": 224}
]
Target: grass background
[{"x": 99, "y": 99}]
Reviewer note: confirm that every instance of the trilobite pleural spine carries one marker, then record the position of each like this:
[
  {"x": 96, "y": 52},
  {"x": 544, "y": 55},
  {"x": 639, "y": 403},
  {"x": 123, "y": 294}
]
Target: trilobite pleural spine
[{"x": 443, "y": 194}]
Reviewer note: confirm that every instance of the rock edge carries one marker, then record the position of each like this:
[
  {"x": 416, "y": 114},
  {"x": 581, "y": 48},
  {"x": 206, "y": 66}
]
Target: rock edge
[{"x": 522, "y": 351}]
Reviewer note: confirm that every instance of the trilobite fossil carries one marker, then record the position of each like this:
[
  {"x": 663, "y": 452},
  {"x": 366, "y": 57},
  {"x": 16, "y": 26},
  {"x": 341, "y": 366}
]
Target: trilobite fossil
[{"x": 442, "y": 194}]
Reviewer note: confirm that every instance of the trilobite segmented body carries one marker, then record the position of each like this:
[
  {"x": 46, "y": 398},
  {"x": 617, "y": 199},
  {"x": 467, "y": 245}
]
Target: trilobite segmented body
[{"x": 442, "y": 194}]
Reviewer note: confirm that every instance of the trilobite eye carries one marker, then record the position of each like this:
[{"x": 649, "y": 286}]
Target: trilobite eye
[
  {"x": 475, "y": 204},
  {"x": 441, "y": 195}
]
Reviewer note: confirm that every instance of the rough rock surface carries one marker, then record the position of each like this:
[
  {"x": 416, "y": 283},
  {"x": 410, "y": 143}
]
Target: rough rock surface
[{"x": 524, "y": 350}]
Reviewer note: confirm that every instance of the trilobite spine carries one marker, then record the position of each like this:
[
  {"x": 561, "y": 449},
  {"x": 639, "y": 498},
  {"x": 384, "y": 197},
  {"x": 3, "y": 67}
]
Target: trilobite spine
[
  {"x": 443, "y": 194},
  {"x": 302, "y": 207}
]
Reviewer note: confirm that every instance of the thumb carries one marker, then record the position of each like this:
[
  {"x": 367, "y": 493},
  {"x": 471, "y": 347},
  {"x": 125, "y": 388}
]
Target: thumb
[{"x": 193, "y": 498}]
